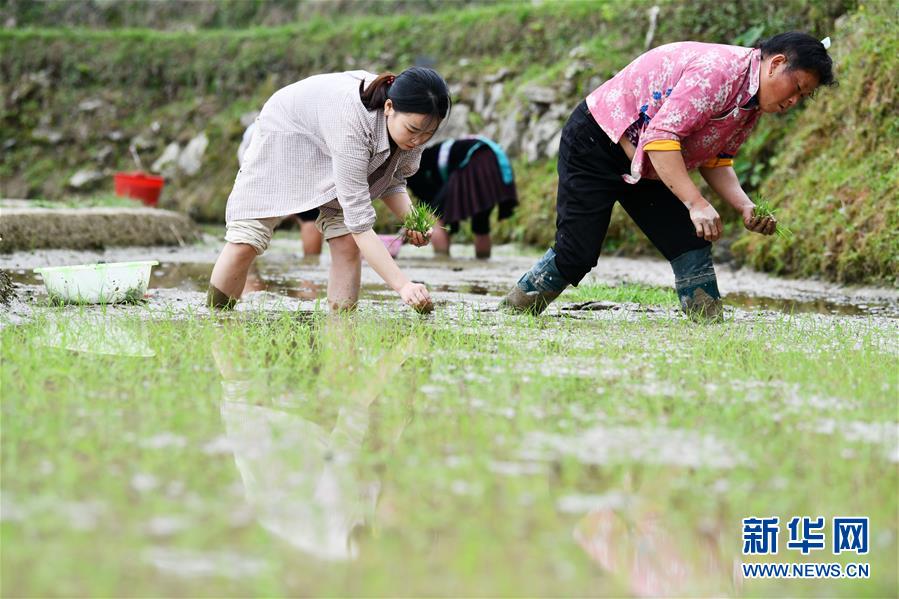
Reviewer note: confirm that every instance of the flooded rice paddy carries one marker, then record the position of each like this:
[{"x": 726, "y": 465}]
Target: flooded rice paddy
[{"x": 608, "y": 448}]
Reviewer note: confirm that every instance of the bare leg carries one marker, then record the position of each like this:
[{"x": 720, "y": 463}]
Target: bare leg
[
  {"x": 229, "y": 275},
  {"x": 346, "y": 273},
  {"x": 440, "y": 239},
  {"x": 482, "y": 246},
  {"x": 311, "y": 238}
]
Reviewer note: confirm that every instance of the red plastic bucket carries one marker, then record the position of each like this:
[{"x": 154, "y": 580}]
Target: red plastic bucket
[{"x": 142, "y": 186}]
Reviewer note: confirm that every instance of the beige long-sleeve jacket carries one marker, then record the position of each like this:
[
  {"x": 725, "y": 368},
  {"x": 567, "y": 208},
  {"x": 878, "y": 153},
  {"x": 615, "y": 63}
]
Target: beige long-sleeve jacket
[{"x": 313, "y": 143}]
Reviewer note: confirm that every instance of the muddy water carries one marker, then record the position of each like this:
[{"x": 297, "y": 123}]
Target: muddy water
[
  {"x": 282, "y": 272},
  {"x": 187, "y": 467}
]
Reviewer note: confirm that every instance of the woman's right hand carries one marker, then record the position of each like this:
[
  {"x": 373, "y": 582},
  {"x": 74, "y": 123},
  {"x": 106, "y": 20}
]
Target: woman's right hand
[
  {"x": 417, "y": 296},
  {"x": 417, "y": 239},
  {"x": 706, "y": 220}
]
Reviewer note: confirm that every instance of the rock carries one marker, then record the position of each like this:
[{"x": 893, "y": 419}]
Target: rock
[
  {"x": 191, "y": 159},
  {"x": 86, "y": 179},
  {"x": 83, "y": 132},
  {"x": 496, "y": 94},
  {"x": 552, "y": 146},
  {"x": 90, "y": 105},
  {"x": 103, "y": 154},
  {"x": 540, "y": 138},
  {"x": 480, "y": 101},
  {"x": 168, "y": 161},
  {"x": 142, "y": 142},
  {"x": 498, "y": 76},
  {"x": 592, "y": 83},
  {"x": 508, "y": 133},
  {"x": 49, "y": 136},
  {"x": 539, "y": 94},
  {"x": 574, "y": 69},
  {"x": 579, "y": 52},
  {"x": 455, "y": 126},
  {"x": 29, "y": 86}
]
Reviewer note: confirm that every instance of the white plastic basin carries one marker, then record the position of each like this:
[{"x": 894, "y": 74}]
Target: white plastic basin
[{"x": 104, "y": 283}]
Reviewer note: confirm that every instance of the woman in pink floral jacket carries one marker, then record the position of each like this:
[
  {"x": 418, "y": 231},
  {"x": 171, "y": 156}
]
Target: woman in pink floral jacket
[{"x": 633, "y": 140}]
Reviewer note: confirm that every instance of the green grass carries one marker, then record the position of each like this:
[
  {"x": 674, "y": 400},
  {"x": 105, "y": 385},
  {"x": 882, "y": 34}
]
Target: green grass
[
  {"x": 625, "y": 293},
  {"x": 464, "y": 453},
  {"x": 97, "y": 201}
]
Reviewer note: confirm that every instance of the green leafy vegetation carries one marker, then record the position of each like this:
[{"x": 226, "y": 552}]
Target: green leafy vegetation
[{"x": 834, "y": 177}]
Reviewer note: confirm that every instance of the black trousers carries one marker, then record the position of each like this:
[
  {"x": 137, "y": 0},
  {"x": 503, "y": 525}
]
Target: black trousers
[{"x": 590, "y": 168}]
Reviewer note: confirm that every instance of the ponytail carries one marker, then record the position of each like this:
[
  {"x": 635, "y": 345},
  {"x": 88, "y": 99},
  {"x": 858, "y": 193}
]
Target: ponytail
[{"x": 374, "y": 96}]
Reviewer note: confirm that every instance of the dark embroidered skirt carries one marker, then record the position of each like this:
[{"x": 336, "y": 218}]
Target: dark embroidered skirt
[{"x": 474, "y": 189}]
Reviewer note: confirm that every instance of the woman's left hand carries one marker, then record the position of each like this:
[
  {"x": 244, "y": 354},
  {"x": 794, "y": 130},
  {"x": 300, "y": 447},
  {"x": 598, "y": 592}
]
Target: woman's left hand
[
  {"x": 418, "y": 239},
  {"x": 764, "y": 225}
]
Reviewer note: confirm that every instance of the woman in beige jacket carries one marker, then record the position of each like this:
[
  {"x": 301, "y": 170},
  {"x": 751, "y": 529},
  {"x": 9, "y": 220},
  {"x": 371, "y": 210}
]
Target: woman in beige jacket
[{"x": 332, "y": 142}]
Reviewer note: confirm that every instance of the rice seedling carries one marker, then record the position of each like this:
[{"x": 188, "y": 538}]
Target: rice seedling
[
  {"x": 421, "y": 218},
  {"x": 628, "y": 293},
  {"x": 213, "y": 456},
  {"x": 763, "y": 208}
]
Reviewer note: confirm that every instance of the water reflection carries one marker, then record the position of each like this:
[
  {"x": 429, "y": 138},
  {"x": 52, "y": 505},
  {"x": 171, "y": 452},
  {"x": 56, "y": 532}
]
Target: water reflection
[
  {"x": 300, "y": 289},
  {"x": 302, "y": 475},
  {"x": 96, "y": 334},
  {"x": 809, "y": 305},
  {"x": 640, "y": 546}
]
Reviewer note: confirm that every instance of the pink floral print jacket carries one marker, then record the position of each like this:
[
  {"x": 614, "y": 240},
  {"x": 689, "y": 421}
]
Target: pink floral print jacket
[{"x": 694, "y": 93}]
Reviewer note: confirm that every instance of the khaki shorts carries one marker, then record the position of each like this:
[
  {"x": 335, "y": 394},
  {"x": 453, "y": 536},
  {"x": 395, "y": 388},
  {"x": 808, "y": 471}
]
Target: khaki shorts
[
  {"x": 330, "y": 221},
  {"x": 258, "y": 232}
]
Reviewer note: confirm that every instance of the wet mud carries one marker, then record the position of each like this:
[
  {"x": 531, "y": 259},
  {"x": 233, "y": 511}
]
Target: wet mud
[
  {"x": 24, "y": 229},
  {"x": 283, "y": 279}
]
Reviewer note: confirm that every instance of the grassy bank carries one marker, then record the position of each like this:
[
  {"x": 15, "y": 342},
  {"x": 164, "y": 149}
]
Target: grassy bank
[{"x": 834, "y": 177}]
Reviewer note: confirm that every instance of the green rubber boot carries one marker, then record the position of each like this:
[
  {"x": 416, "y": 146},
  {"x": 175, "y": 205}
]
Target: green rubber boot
[
  {"x": 528, "y": 302},
  {"x": 537, "y": 288},
  {"x": 702, "y": 307}
]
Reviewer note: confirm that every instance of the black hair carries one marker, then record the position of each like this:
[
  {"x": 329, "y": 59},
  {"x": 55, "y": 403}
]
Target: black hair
[
  {"x": 803, "y": 52},
  {"x": 417, "y": 89}
]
